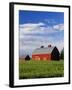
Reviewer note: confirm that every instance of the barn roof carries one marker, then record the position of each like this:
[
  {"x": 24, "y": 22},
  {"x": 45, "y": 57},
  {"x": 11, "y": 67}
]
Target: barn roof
[{"x": 44, "y": 50}]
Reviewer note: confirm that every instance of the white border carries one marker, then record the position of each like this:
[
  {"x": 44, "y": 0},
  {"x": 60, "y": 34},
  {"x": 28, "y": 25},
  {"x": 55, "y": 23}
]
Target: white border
[{"x": 16, "y": 46}]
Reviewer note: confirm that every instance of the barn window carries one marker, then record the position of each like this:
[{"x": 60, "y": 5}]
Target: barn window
[
  {"x": 37, "y": 58},
  {"x": 44, "y": 58}
]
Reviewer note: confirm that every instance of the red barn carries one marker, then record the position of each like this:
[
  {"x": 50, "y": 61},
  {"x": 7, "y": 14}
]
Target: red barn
[{"x": 46, "y": 53}]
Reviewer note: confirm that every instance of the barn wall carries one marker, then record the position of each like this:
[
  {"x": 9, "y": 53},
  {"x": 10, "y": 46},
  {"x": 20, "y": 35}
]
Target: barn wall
[{"x": 41, "y": 57}]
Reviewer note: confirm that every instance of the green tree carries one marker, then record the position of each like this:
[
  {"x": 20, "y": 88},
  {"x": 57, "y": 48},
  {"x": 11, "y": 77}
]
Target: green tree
[{"x": 62, "y": 54}]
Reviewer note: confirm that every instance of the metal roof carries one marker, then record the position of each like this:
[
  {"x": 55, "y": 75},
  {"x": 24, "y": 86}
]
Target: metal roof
[{"x": 44, "y": 50}]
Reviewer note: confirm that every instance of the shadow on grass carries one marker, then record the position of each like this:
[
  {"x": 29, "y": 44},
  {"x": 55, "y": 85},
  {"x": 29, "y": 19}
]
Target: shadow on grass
[{"x": 51, "y": 76}]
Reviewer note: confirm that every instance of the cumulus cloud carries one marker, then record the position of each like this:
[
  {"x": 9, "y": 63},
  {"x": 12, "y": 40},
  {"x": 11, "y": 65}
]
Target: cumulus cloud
[
  {"x": 59, "y": 27},
  {"x": 39, "y": 29},
  {"x": 33, "y": 35},
  {"x": 31, "y": 26}
]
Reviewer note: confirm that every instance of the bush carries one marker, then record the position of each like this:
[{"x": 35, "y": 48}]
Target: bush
[{"x": 27, "y": 58}]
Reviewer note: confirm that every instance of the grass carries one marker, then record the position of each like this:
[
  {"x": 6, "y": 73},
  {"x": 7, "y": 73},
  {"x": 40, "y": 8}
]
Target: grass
[{"x": 40, "y": 69}]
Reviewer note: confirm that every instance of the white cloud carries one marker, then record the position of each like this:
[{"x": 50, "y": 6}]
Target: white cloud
[
  {"x": 33, "y": 35},
  {"x": 38, "y": 28},
  {"x": 59, "y": 27},
  {"x": 31, "y": 26}
]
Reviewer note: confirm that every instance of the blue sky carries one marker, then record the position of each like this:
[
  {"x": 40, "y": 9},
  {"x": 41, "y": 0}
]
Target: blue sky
[{"x": 40, "y": 28}]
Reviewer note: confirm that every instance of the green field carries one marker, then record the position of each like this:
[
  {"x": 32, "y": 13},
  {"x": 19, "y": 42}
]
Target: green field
[{"x": 40, "y": 69}]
